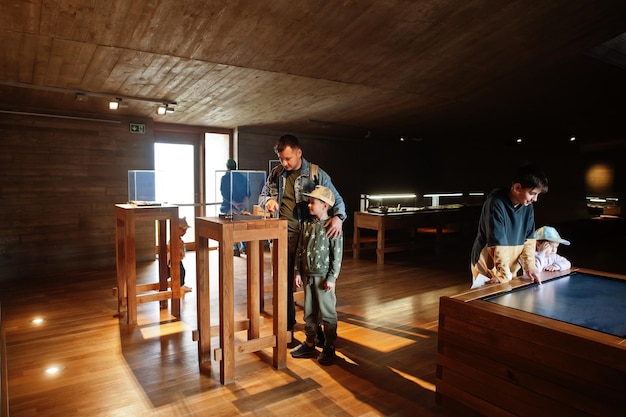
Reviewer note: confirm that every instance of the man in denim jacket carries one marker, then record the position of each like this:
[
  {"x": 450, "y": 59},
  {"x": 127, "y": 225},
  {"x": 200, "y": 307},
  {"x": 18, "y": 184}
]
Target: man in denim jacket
[{"x": 283, "y": 193}]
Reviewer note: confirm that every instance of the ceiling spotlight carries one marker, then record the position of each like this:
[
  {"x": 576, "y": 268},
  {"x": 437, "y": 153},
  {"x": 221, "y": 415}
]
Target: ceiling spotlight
[
  {"x": 164, "y": 109},
  {"x": 114, "y": 105},
  {"x": 80, "y": 97}
]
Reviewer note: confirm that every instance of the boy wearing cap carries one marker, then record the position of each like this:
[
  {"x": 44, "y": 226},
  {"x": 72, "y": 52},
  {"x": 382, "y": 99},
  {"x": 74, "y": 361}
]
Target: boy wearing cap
[
  {"x": 317, "y": 265},
  {"x": 182, "y": 229},
  {"x": 546, "y": 256}
]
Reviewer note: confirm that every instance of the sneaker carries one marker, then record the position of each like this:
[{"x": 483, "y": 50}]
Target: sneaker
[
  {"x": 185, "y": 288},
  {"x": 303, "y": 351},
  {"x": 321, "y": 338},
  {"x": 327, "y": 356}
]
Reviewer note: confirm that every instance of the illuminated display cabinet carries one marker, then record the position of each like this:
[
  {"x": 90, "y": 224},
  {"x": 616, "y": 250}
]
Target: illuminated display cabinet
[{"x": 410, "y": 202}]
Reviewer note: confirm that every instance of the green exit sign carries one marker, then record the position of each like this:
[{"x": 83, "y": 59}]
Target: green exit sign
[{"x": 137, "y": 128}]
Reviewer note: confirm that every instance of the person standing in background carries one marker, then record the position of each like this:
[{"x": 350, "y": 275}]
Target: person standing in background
[{"x": 235, "y": 191}]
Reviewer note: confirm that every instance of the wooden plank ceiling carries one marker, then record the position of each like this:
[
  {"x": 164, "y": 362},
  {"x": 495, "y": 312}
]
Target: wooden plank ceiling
[{"x": 318, "y": 66}]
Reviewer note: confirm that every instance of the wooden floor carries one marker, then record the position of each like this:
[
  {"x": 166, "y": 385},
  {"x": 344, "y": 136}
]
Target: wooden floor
[{"x": 386, "y": 365}]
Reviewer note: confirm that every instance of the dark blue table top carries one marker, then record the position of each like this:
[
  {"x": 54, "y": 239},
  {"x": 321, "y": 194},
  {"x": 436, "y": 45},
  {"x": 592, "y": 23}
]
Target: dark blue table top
[{"x": 591, "y": 301}]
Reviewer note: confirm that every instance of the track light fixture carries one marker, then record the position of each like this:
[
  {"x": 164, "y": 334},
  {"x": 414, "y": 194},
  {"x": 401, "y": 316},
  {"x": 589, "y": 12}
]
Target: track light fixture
[
  {"x": 164, "y": 109},
  {"x": 115, "y": 104}
]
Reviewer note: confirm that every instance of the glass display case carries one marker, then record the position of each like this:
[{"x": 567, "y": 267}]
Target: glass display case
[
  {"x": 475, "y": 198},
  {"x": 145, "y": 187},
  {"x": 408, "y": 202},
  {"x": 438, "y": 199},
  {"x": 603, "y": 206},
  {"x": 238, "y": 192},
  {"x": 389, "y": 203}
]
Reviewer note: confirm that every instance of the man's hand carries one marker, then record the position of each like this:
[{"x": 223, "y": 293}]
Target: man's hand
[
  {"x": 333, "y": 227},
  {"x": 297, "y": 282},
  {"x": 271, "y": 205}
]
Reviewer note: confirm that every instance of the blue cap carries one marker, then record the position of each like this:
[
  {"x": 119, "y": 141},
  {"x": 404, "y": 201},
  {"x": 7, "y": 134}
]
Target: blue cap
[{"x": 549, "y": 233}]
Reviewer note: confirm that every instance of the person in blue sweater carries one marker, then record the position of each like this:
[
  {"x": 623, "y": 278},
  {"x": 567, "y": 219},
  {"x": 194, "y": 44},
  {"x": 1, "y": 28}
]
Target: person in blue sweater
[{"x": 506, "y": 229}]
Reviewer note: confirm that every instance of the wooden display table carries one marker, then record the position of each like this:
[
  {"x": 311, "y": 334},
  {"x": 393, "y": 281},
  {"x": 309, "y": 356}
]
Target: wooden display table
[
  {"x": 126, "y": 216},
  {"x": 431, "y": 220},
  {"x": 255, "y": 233},
  {"x": 522, "y": 349}
]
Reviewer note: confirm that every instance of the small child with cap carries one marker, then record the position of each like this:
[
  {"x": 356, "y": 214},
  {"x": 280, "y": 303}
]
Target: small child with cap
[
  {"x": 546, "y": 256},
  {"x": 317, "y": 264},
  {"x": 182, "y": 229}
]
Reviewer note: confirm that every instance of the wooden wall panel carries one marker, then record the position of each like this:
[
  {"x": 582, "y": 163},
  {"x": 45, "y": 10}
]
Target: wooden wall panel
[
  {"x": 60, "y": 180},
  {"x": 453, "y": 164}
]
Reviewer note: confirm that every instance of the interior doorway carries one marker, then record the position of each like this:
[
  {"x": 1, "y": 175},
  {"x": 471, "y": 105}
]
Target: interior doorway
[
  {"x": 217, "y": 152},
  {"x": 176, "y": 164},
  {"x": 189, "y": 164}
]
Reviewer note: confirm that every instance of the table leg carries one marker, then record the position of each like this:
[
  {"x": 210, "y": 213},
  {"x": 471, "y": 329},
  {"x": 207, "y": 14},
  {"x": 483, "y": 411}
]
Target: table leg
[
  {"x": 279, "y": 289},
  {"x": 227, "y": 307},
  {"x": 130, "y": 266},
  {"x": 175, "y": 260},
  {"x": 380, "y": 245},
  {"x": 163, "y": 275},
  {"x": 356, "y": 242},
  {"x": 120, "y": 253},
  {"x": 261, "y": 244},
  {"x": 254, "y": 285},
  {"x": 203, "y": 304}
]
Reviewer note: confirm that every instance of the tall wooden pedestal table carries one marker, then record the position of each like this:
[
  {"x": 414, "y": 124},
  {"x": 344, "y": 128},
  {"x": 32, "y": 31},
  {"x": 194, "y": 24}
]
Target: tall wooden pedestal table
[
  {"x": 126, "y": 216},
  {"x": 227, "y": 232}
]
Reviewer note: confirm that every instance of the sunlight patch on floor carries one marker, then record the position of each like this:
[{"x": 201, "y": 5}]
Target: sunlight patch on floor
[
  {"x": 158, "y": 330},
  {"x": 392, "y": 329},
  {"x": 377, "y": 340},
  {"x": 420, "y": 382}
]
